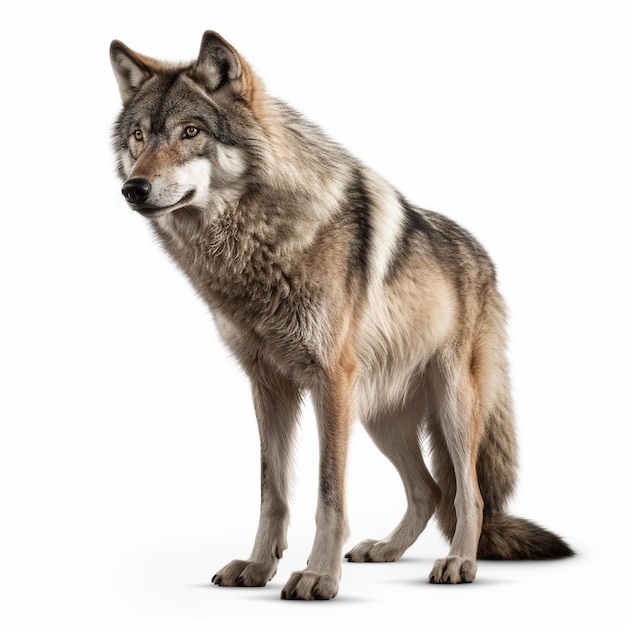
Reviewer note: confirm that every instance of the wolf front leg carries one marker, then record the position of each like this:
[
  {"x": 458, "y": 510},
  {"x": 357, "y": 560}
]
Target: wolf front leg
[
  {"x": 320, "y": 579},
  {"x": 277, "y": 405}
]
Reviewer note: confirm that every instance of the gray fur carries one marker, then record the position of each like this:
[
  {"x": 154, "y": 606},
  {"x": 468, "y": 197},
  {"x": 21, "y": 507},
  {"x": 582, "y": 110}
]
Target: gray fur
[{"x": 323, "y": 279}]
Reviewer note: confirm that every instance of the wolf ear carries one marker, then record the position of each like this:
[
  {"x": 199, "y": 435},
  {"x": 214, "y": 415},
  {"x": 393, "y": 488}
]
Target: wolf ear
[
  {"x": 218, "y": 62},
  {"x": 131, "y": 69}
]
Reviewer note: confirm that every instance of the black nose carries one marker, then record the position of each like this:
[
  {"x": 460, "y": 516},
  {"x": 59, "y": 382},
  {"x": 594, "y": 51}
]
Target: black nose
[{"x": 136, "y": 190}]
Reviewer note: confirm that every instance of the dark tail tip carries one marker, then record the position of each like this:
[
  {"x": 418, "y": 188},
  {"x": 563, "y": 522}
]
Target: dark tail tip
[{"x": 511, "y": 538}]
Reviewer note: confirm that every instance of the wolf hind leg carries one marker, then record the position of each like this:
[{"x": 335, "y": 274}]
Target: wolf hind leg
[
  {"x": 455, "y": 436},
  {"x": 396, "y": 436}
]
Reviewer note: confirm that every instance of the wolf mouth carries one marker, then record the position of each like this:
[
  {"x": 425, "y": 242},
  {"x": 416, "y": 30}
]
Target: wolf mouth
[{"x": 156, "y": 211}]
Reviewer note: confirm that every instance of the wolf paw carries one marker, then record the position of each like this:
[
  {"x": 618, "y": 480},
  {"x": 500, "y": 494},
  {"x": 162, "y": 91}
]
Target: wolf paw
[
  {"x": 372, "y": 551},
  {"x": 244, "y": 574},
  {"x": 453, "y": 570},
  {"x": 308, "y": 585}
]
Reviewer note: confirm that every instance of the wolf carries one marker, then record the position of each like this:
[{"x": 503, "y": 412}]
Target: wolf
[{"x": 323, "y": 279}]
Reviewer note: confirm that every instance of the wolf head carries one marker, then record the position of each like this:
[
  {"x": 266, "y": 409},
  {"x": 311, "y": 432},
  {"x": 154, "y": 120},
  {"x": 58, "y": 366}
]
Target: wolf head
[{"x": 183, "y": 138}]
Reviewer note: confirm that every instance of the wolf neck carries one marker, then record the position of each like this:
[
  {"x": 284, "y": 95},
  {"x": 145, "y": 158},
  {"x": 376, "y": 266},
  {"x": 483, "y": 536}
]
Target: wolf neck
[
  {"x": 250, "y": 252},
  {"x": 287, "y": 197},
  {"x": 222, "y": 258},
  {"x": 244, "y": 258}
]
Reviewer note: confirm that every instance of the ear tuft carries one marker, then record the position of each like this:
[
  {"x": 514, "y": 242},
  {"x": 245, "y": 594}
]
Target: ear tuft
[
  {"x": 218, "y": 62},
  {"x": 130, "y": 69}
]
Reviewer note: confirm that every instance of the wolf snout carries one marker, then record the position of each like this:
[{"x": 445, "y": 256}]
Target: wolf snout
[{"x": 136, "y": 190}]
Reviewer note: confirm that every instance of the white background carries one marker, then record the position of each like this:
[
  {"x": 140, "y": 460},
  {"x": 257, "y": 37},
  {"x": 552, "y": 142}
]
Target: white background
[{"x": 128, "y": 446}]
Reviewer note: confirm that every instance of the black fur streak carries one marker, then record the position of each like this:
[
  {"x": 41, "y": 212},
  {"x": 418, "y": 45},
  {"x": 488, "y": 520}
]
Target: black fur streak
[
  {"x": 326, "y": 490},
  {"x": 414, "y": 224},
  {"x": 414, "y": 221},
  {"x": 359, "y": 208},
  {"x": 264, "y": 478}
]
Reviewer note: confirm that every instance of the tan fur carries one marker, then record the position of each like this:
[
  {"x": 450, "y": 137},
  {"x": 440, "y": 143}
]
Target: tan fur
[{"x": 323, "y": 279}]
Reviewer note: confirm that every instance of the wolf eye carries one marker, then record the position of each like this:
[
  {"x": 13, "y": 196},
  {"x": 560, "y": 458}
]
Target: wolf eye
[
  {"x": 138, "y": 135},
  {"x": 190, "y": 131}
]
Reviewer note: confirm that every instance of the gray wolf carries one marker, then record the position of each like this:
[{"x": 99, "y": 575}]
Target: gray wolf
[{"x": 323, "y": 279}]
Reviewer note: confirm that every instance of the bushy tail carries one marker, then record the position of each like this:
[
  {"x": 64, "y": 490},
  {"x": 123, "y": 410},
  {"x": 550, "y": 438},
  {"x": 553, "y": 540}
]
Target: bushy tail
[
  {"x": 512, "y": 538},
  {"x": 503, "y": 536}
]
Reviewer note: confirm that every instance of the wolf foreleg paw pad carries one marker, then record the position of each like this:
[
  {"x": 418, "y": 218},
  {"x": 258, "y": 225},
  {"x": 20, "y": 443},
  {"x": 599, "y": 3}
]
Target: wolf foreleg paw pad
[
  {"x": 453, "y": 570},
  {"x": 309, "y": 585},
  {"x": 244, "y": 574}
]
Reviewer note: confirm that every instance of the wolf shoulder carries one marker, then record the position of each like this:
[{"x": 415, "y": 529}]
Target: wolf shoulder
[{"x": 404, "y": 238}]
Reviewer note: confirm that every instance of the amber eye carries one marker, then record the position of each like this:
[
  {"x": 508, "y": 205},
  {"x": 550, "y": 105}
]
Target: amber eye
[
  {"x": 191, "y": 131},
  {"x": 138, "y": 135}
]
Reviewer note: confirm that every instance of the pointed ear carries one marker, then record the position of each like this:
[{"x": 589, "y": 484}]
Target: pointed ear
[
  {"x": 131, "y": 69},
  {"x": 218, "y": 63}
]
